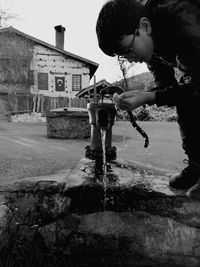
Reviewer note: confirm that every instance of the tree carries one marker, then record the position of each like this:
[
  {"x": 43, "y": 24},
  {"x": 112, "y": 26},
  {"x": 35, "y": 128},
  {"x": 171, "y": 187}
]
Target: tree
[
  {"x": 125, "y": 68},
  {"x": 6, "y": 16}
]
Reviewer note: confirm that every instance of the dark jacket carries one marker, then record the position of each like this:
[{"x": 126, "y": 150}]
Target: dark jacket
[{"x": 176, "y": 35}]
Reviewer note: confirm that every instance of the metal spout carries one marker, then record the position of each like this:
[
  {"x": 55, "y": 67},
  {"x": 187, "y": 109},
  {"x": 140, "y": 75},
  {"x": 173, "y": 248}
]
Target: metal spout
[{"x": 101, "y": 116}]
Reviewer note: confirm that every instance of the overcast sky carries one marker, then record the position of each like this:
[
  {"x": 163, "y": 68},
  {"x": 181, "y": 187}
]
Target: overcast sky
[{"x": 38, "y": 18}]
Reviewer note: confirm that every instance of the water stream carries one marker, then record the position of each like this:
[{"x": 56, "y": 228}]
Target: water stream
[{"x": 104, "y": 166}]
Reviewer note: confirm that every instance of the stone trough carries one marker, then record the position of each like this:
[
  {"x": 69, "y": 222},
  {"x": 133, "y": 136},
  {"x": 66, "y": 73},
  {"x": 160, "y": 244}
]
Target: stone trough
[{"x": 72, "y": 219}]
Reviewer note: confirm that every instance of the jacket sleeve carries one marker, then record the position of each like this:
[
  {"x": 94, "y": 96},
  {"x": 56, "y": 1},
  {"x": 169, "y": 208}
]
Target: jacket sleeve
[
  {"x": 163, "y": 73},
  {"x": 185, "y": 18}
]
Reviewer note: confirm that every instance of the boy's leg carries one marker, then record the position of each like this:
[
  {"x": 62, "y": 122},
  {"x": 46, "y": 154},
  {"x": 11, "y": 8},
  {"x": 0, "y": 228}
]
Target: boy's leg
[{"x": 188, "y": 117}]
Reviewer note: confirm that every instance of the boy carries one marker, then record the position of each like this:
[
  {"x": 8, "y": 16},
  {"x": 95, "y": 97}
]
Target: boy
[{"x": 164, "y": 34}]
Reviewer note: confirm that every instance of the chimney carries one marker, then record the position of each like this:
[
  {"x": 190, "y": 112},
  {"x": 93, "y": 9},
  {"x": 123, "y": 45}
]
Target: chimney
[{"x": 60, "y": 30}]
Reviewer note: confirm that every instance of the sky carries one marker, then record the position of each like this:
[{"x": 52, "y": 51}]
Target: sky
[{"x": 38, "y": 18}]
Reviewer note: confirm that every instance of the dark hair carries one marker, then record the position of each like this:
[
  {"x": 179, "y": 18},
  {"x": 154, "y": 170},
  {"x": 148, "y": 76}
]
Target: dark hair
[{"x": 116, "y": 19}]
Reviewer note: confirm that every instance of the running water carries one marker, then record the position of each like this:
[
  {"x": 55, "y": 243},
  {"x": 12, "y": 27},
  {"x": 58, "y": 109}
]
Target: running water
[
  {"x": 104, "y": 166},
  {"x": 103, "y": 140}
]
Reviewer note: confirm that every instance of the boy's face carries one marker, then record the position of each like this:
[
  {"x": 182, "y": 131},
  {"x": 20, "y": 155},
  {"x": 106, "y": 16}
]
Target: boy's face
[{"x": 138, "y": 47}]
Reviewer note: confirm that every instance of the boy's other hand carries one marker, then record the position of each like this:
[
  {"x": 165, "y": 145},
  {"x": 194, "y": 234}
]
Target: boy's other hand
[{"x": 133, "y": 99}]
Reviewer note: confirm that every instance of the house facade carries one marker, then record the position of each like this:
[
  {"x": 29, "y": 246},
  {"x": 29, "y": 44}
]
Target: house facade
[{"x": 29, "y": 65}]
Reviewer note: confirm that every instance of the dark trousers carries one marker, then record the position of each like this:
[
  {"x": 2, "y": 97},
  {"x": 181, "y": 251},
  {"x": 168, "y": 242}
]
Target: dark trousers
[{"x": 189, "y": 124}]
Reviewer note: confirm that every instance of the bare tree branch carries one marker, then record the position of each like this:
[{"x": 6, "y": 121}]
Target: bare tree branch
[
  {"x": 6, "y": 16},
  {"x": 125, "y": 68}
]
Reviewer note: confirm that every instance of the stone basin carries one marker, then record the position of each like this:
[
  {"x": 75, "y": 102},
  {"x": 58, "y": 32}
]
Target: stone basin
[{"x": 74, "y": 219}]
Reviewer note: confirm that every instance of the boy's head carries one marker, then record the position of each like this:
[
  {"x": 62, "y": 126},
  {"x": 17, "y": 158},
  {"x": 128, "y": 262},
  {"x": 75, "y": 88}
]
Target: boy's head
[{"x": 123, "y": 28}]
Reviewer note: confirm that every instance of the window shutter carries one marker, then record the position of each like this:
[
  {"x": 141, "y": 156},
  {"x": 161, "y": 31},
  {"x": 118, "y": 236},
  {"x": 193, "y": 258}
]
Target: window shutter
[{"x": 42, "y": 81}]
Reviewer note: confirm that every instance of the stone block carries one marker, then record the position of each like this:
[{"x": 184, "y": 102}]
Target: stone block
[{"x": 67, "y": 123}]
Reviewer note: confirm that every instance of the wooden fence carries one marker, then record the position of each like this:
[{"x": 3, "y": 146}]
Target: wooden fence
[{"x": 28, "y": 103}]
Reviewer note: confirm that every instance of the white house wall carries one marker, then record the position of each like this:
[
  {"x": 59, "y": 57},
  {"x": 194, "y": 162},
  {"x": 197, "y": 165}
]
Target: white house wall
[{"x": 56, "y": 64}]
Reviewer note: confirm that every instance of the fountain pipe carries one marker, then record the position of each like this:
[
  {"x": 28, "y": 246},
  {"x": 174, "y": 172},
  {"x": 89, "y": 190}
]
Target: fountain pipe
[{"x": 101, "y": 117}]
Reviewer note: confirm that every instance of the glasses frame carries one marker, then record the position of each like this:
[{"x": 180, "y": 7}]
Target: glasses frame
[{"x": 129, "y": 50}]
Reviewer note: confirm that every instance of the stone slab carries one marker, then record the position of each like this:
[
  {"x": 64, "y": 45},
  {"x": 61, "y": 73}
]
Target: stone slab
[{"x": 129, "y": 217}]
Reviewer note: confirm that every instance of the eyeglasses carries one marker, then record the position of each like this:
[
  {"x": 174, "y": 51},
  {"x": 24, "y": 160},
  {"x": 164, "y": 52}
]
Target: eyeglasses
[{"x": 129, "y": 51}]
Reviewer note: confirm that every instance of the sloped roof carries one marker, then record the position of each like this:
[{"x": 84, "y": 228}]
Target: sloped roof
[
  {"x": 87, "y": 90},
  {"x": 92, "y": 65}
]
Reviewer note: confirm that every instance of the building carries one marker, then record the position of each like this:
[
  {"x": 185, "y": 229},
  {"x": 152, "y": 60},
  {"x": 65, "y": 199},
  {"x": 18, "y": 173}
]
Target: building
[{"x": 29, "y": 65}]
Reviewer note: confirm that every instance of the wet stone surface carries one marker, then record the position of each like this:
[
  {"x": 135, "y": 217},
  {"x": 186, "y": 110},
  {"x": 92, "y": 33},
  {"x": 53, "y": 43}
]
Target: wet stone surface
[{"x": 129, "y": 217}]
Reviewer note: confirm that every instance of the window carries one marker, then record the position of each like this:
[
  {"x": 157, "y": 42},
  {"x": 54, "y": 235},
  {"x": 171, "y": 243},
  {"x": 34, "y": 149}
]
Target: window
[
  {"x": 42, "y": 81},
  {"x": 76, "y": 82}
]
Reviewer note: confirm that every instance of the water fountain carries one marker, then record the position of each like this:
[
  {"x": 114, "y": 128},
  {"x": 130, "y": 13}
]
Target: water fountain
[{"x": 128, "y": 218}]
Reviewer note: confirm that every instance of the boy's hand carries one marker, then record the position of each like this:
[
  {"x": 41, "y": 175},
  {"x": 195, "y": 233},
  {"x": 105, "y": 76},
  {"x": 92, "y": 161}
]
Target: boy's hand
[{"x": 133, "y": 99}]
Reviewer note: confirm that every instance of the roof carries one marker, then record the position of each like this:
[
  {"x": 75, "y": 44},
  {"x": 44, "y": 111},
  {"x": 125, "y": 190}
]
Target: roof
[
  {"x": 92, "y": 65},
  {"x": 88, "y": 90}
]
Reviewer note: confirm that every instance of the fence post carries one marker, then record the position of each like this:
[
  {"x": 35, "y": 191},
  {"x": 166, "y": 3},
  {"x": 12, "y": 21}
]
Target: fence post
[
  {"x": 66, "y": 101},
  {"x": 16, "y": 103},
  {"x": 30, "y": 103},
  {"x": 38, "y": 104},
  {"x": 34, "y": 103},
  {"x": 42, "y": 103},
  {"x": 27, "y": 102}
]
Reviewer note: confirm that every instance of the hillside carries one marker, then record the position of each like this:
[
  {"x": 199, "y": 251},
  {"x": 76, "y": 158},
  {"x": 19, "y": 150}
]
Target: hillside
[
  {"x": 143, "y": 81},
  {"x": 140, "y": 82}
]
